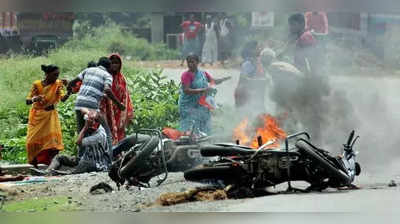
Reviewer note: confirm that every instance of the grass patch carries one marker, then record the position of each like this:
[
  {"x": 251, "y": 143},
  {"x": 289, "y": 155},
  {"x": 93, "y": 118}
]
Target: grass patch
[{"x": 49, "y": 204}]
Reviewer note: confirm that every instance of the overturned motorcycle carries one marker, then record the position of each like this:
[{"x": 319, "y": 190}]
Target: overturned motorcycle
[
  {"x": 154, "y": 155},
  {"x": 240, "y": 167}
]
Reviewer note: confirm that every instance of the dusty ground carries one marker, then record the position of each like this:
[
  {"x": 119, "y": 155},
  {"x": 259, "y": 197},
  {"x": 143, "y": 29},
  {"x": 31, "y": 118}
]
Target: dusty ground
[{"x": 374, "y": 193}]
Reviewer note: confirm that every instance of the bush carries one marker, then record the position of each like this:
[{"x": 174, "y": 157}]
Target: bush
[{"x": 155, "y": 100}]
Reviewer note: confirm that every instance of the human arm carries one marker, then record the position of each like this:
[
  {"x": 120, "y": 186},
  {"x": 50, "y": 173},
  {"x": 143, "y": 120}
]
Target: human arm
[
  {"x": 82, "y": 133},
  {"x": 221, "y": 80},
  {"x": 186, "y": 80},
  {"x": 111, "y": 95},
  {"x": 34, "y": 99},
  {"x": 73, "y": 82},
  {"x": 34, "y": 95},
  {"x": 66, "y": 96},
  {"x": 189, "y": 91}
]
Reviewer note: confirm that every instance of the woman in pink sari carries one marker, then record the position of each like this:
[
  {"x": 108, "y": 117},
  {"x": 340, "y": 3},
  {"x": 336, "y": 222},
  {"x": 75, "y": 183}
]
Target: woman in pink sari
[{"x": 117, "y": 119}]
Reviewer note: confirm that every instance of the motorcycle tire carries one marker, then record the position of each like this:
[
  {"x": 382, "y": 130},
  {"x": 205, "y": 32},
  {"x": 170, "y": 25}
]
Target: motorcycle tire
[
  {"x": 309, "y": 150},
  {"x": 225, "y": 174},
  {"x": 216, "y": 150},
  {"x": 138, "y": 162}
]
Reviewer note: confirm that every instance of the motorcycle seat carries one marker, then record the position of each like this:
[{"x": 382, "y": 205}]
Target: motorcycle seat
[{"x": 225, "y": 150}]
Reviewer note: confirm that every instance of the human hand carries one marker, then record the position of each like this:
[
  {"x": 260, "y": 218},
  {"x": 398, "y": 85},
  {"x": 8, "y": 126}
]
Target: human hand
[
  {"x": 64, "y": 82},
  {"x": 121, "y": 107},
  {"x": 38, "y": 98},
  {"x": 92, "y": 115}
]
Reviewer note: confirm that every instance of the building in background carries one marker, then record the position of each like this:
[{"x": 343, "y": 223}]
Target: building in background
[{"x": 34, "y": 31}]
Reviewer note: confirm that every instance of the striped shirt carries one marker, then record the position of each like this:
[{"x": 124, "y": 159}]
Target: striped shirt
[
  {"x": 96, "y": 150},
  {"x": 94, "y": 81}
]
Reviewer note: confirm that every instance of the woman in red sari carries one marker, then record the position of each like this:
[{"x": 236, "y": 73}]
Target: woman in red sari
[{"x": 117, "y": 119}]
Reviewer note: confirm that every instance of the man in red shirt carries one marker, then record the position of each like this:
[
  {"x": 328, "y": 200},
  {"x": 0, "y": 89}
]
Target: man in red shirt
[
  {"x": 191, "y": 44},
  {"x": 317, "y": 22},
  {"x": 305, "y": 54}
]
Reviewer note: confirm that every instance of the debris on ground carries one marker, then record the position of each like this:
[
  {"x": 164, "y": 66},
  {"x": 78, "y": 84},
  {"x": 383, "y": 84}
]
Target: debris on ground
[
  {"x": 392, "y": 183},
  {"x": 19, "y": 169},
  {"x": 101, "y": 188},
  {"x": 7, "y": 178},
  {"x": 8, "y": 190},
  {"x": 197, "y": 194}
]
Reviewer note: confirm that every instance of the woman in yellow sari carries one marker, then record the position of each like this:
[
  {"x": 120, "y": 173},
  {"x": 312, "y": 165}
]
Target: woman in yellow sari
[{"x": 44, "y": 138}]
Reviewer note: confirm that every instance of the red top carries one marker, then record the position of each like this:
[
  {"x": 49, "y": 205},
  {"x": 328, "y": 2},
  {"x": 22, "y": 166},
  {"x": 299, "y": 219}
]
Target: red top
[
  {"x": 304, "y": 45},
  {"x": 306, "y": 40},
  {"x": 118, "y": 120},
  {"x": 317, "y": 22},
  {"x": 188, "y": 77},
  {"x": 191, "y": 29}
]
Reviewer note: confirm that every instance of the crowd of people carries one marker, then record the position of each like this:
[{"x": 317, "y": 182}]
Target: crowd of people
[
  {"x": 104, "y": 109},
  {"x": 211, "y": 40}
]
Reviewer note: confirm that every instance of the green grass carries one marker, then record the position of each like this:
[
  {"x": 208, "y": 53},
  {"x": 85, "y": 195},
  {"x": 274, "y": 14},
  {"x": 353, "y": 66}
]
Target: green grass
[{"x": 47, "y": 204}]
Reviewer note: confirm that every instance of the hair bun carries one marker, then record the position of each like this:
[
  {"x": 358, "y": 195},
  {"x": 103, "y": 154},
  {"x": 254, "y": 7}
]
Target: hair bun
[{"x": 44, "y": 68}]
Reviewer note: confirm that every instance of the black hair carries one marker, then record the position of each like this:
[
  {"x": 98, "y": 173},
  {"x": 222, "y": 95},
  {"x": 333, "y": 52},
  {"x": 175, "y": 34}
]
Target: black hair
[
  {"x": 91, "y": 64},
  {"x": 193, "y": 56},
  {"x": 249, "y": 49},
  {"x": 105, "y": 62},
  {"x": 49, "y": 68},
  {"x": 298, "y": 18}
]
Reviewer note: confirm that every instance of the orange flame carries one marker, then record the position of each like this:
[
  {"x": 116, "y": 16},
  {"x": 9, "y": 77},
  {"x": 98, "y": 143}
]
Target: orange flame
[
  {"x": 268, "y": 129},
  {"x": 239, "y": 133}
]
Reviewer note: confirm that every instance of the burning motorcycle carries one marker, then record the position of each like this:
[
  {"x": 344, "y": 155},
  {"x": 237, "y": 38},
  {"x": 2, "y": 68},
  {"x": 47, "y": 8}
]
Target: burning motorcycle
[
  {"x": 239, "y": 166},
  {"x": 154, "y": 155}
]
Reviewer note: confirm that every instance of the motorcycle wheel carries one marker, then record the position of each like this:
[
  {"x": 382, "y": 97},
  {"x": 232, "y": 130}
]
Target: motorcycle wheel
[
  {"x": 138, "y": 163},
  {"x": 338, "y": 174},
  {"x": 225, "y": 174}
]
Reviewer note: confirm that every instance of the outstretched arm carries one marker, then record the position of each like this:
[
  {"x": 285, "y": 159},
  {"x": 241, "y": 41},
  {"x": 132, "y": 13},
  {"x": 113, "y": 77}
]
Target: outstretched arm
[
  {"x": 111, "y": 95},
  {"x": 72, "y": 83},
  {"x": 221, "y": 80}
]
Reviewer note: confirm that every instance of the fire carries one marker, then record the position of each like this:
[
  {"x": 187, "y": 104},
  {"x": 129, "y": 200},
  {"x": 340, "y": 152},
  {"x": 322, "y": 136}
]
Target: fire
[{"x": 267, "y": 128}]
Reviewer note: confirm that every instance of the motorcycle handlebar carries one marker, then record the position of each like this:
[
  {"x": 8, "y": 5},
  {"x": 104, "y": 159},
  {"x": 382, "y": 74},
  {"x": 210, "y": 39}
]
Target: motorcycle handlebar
[{"x": 350, "y": 138}]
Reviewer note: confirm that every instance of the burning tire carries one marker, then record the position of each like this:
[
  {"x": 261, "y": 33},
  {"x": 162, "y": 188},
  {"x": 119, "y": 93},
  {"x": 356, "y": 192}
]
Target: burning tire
[
  {"x": 137, "y": 164},
  {"x": 206, "y": 174},
  {"x": 306, "y": 148}
]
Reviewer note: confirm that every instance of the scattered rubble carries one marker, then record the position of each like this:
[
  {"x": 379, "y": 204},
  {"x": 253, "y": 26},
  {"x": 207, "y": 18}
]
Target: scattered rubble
[
  {"x": 197, "y": 194},
  {"x": 101, "y": 188}
]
